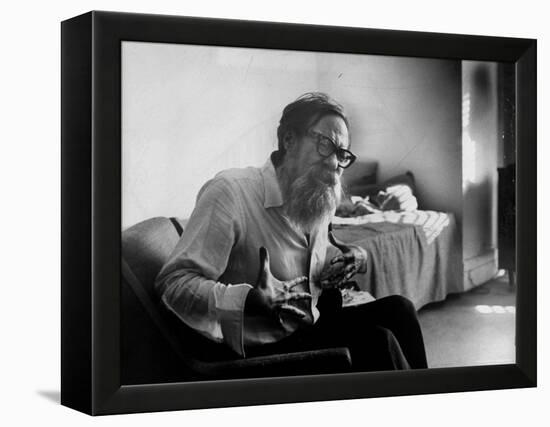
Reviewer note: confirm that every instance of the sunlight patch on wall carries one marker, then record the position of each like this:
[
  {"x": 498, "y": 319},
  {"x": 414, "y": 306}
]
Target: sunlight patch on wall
[{"x": 469, "y": 148}]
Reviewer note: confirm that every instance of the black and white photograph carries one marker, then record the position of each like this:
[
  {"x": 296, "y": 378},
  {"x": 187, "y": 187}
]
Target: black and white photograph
[
  {"x": 289, "y": 213},
  {"x": 274, "y": 213}
]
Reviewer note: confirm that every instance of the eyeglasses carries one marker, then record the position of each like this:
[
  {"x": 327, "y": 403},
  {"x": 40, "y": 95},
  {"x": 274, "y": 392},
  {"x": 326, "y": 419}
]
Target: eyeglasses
[{"x": 326, "y": 147}]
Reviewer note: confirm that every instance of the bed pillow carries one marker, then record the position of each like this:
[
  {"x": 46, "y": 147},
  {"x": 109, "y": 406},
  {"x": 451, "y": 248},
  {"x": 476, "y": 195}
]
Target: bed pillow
[
  {"x": 397, "y": 197},
  {"x": 404, "y": 179},
  {"x": 371, "y": 190},
  {"x": 396, "y": 193}
]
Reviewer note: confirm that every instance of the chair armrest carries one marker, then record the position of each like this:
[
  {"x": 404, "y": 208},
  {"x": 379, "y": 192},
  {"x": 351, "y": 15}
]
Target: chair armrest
[{"x": 331, "y": 360}]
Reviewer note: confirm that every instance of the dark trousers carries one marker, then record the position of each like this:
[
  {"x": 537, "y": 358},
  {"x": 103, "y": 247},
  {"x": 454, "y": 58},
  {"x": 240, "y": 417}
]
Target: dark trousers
[{"x": 382, "y": 335}]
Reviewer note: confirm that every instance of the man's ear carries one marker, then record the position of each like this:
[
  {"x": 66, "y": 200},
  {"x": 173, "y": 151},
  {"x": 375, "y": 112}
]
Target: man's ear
[{"x": 288, "y": 140}]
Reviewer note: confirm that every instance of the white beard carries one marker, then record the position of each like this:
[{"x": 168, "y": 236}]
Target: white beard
[{"x": 309, "y": 201}]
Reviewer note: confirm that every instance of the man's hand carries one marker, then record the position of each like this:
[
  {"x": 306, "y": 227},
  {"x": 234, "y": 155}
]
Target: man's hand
[
  {"x": 343, "y": 267},
  {"x": 270, "y": 296}
]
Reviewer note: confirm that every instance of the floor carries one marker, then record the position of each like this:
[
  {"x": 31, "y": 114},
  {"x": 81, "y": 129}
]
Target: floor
[{"x": 473, "y": 328}]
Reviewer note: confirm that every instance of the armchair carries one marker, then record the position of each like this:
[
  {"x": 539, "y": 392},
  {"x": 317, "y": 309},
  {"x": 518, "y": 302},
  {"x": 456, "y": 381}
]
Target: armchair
[{"x": 158, "y": 347}]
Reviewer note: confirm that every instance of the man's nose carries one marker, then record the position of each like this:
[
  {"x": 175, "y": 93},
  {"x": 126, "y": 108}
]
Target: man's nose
[{"x": 332, "y": 162}]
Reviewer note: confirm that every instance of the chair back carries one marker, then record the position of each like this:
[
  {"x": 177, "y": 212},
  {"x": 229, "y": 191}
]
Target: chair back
[
  {"x": 156, "y": 347},
  {"x": 146, "y": 247},
  {"x": 147, "y": 355}
]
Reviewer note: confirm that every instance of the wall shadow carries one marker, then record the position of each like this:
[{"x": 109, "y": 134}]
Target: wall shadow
[{"x": 51, "y": 395}]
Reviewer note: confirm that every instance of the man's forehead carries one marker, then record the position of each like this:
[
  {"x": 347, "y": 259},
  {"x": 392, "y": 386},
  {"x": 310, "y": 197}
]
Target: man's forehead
[{"x": 334, "y": 127}]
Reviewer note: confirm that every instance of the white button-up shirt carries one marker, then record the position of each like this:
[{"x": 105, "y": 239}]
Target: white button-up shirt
[{"x": 216, "y": 261}]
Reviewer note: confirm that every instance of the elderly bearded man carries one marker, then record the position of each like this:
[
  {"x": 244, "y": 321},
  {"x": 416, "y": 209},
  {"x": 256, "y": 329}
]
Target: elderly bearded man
[{"x": 250, "y": 269}]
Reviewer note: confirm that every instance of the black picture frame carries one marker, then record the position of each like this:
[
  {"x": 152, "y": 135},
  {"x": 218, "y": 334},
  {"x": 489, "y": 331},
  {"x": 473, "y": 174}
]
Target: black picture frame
[{"x": 91, "y": 207}]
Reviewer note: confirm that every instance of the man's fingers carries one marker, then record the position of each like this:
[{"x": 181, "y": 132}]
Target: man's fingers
[
  {"x": 350, "y": 267},
  {"x": 345, "y": 279},
  {"x": 349, "y": 276},
  {"x": 291, "y": 296},
  {"x": 297, "y": 296},
  {"x": 334, "y": 241},
  {"x": 295, "y": 282},
  {"x": 264, "y": 259},
  {"x": 337, "y": 259},
  {"x": 263, "y": 275},
  {"x": 290, "y": 309},
  {"x": 337, "y": 274},
  {"x": 356, "y": 252},
  {"x": 349, "y": 256}
]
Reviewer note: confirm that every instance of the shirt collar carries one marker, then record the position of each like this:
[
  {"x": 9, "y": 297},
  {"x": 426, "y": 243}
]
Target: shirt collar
[{"x": 273, "y": 196}]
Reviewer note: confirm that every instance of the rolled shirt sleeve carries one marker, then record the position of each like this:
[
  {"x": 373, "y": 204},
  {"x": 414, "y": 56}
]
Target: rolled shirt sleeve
[
  {"x": 216, "y": 261},
  {"x": 188, "y": 282}
]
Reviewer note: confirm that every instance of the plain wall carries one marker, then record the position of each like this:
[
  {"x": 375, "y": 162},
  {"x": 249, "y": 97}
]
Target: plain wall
[
  {"x": 191, "y": 111},
  {"x": 405, "y": 114}
]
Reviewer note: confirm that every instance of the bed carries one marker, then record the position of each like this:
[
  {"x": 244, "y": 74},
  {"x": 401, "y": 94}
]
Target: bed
[{"x": 415, "y": 253}]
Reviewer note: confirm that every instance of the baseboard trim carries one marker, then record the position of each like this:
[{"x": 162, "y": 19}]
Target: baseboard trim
[{"x": 480, "y": 268}]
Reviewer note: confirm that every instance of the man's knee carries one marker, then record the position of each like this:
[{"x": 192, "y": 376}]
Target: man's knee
[
  {"x": 384, "y": 337},
  {"x": 401, "y": 304},
  {"x": 389, "y": 352}
]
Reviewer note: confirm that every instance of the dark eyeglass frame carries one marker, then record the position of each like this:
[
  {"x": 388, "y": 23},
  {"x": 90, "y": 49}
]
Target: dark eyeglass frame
[{"x": 340, "y": 152}]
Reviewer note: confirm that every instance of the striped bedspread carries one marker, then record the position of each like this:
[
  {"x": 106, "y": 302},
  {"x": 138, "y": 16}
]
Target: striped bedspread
[
  {"x": 431, "y": 222},
  {"x": 415, "y": 254}
]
